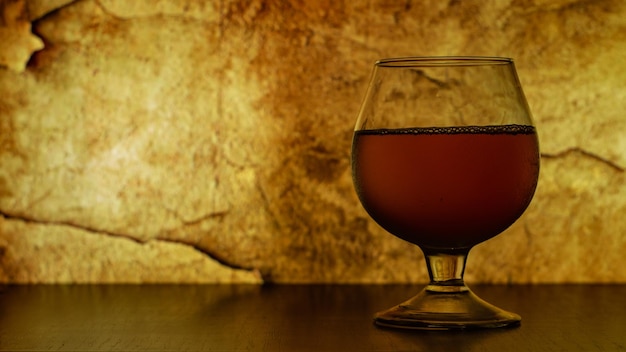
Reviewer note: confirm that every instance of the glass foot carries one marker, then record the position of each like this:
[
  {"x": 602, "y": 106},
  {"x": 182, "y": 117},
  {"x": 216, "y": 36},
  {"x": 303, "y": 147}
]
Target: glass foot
[{"x": 441, "y": 308}]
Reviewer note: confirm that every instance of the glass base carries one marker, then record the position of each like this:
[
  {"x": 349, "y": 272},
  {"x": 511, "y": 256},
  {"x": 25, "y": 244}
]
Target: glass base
[{"x": 446, "y": 308}]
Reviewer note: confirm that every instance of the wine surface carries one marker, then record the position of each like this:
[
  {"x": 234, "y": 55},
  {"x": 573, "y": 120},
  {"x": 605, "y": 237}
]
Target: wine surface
[{"x": 448, "y": 187}]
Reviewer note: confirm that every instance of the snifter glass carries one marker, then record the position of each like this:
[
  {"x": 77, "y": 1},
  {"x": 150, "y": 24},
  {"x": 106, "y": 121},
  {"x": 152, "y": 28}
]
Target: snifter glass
[{"x": 445, "y": 156}]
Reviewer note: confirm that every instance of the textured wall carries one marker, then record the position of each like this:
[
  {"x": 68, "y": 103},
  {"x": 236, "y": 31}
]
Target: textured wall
[{"x": 189, "y": 141}]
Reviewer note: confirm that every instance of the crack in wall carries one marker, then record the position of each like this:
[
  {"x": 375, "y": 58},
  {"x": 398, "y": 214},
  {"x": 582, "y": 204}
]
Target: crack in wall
[
  {"x": 210, "y": 254},
  {"x": 30, "y": 220},
  {"x": 577, "y": 150}
]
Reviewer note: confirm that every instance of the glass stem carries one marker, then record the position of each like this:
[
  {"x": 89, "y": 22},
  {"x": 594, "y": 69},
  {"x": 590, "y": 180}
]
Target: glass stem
[{"x": 446, "y": 271}]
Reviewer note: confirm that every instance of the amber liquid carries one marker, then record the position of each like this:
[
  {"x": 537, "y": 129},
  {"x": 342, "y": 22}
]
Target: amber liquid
[{"x": 448, "y": 187}]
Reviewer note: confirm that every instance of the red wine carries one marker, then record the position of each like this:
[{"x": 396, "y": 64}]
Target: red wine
[{"x": 448, "y": 187}]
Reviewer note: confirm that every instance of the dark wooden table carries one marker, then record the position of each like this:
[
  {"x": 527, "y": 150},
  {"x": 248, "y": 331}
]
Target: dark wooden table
[{"x": 294, "y": 318}]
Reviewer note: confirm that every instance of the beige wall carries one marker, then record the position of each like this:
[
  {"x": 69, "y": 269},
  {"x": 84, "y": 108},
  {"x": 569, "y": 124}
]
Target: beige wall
[{"x": 189, "y": 141}]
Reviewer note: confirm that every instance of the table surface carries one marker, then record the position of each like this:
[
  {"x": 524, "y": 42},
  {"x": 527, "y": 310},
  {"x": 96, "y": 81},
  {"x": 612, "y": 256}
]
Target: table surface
[{"x": 295, "y": 318}]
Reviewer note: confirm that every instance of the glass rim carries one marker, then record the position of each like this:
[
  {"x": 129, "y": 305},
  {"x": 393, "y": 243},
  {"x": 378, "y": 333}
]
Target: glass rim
[{"x": 433, "y": 61}]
